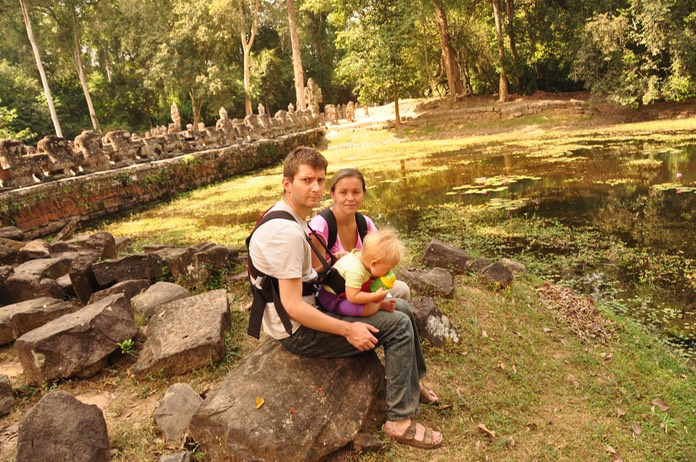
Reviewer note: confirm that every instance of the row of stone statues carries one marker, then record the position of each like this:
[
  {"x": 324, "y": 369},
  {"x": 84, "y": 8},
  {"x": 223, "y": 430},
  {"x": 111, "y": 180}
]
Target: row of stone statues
[{"x": 55, "y": 157}]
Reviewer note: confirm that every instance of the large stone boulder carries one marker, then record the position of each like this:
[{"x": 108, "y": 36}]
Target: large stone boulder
[
  {"x": 185, "y": 334},
  {"x": 437, "y": 281},
  {"x": 12, "y": 232},
  {"x": 496, "y": 275},
  {"x": 35, "y": 278},
  {"x": 441, "y": 255},
  {"x": 138, "y": 266},
  {"x": 432, "y": 325},
  {"x": 280, "y": 406},
  {"x": 77, "y": 344},
  {"x": 61, "y": 428},
  {"x": 19, "y": 318},
  {"x": 34, "y": 249},
  {"x": 128, "y": 288},
  {"x": 174, "y": 412},
  {"x": 9, "y": 249},
  {"x": 158, "y": 294},
  {"x": 7, "y": 399}
]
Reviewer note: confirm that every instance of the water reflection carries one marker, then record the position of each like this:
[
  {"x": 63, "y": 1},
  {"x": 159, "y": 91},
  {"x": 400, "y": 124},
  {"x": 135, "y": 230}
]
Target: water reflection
[{"x": 607, "y": 186}]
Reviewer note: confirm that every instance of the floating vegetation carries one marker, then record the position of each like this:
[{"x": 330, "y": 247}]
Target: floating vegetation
[
  {"x": 650, "y": 163},
  {"x": 677, "y": 187},
  {"x": 614, "y": 182},
  {"x": 485, "y": 185},
  {"x": 506, "y": 204}
]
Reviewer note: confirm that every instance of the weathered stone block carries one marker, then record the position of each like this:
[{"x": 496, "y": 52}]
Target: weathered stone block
[
  {"x": 318, "y": 405},
  {"x": 441, "y": 255},
  {"x": 77, "y": 344},
  {"x": 185, "y": 334},
  {"x": 139, "y": 266},
  {"x": 60, "y": 427},
  {"x": 19, "y": 318}
]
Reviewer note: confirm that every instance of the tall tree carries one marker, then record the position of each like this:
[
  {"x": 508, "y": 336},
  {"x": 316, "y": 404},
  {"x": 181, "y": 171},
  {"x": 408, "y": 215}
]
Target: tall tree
[
  {"x": 39, "y": 66},
  {"x": 77, "y": 57},
  {"x": 296, "y": 56},
  {"x": 247, "y": 43},
  {"x": 449, "y": 56},
  {"x": 510, "y": 13},
  {"x": 503, "y": 81}
]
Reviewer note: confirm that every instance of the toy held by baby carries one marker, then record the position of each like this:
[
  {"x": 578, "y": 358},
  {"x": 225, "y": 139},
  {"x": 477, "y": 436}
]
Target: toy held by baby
[{"x": 385, "y": 282}]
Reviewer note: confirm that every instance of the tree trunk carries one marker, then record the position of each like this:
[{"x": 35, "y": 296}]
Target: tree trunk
[
  {"x": 246, "y": 45},
  {"x": 397, "y": 116},
  {"x": 296, "y": 57},
  {"x": 503, "y": 82},
  {"x": 448, "y": 54},
  {"x": 195, "y": 107},
  {"x": 42, "y": 72},
  {"x": 513, "y": 46},
  {"x": 81, "y": 74}
]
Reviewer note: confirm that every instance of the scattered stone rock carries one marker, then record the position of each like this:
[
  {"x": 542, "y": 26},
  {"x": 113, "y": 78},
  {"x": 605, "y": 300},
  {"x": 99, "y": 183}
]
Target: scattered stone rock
[
  {"x": 9, "y": 249},
  {"x": 60, "y": 427},
  {"x": 158, "y": 294},
  {"x": 77, "y": 344},
  {"x": 82, "y": 277},
  {"x": 183, "y": 456},
  {"x": 437, "y": 281},
  {"x": 128, "y": 288},
  {"x": 101, "y": 243},
  {"x": 138, "y": 266},
  {"x": 123, "y": 244},
  {"x": 19, "y": 318},
  {"x": 433, "y": 326},
  {"x": 479, "y": 264},
  {"x": 280, "y": 406},
  {"x": 174, "y": 413},
  {"x": 441, "y": 255},
  {"x": 68, "y": 230},
  {"x": 66, "y": 284},
  {"x": 366, "y": 442},
  {"x": 514, "y": 266},
  {"x": 179, "y": 261},
  {"x": 185, "y": 334},
  {"x": 21, "y": 286},
  {"x": 11, "y": 232},
  {"x": 7, "y": 399},
  {"x": 496, "y": 275},
  {"x": 33, "y": 250}
]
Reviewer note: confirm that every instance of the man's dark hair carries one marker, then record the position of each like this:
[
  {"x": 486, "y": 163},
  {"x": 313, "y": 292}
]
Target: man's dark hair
[{"x": 303, "y": 155}]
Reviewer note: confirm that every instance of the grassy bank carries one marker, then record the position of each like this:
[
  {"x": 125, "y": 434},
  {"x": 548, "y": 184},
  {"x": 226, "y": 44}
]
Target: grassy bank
[{"x": 540, "y": 375}]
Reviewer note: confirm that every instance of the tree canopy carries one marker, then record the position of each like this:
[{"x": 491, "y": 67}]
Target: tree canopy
[{"x": 137, "y": 57}]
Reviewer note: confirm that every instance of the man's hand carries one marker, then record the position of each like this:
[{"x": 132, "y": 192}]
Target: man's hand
[{"x": 360, "y": 336}]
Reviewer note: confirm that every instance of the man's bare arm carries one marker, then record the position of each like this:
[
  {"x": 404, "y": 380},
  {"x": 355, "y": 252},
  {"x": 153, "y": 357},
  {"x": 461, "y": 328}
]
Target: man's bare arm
[{"x": 358, "y": 334}]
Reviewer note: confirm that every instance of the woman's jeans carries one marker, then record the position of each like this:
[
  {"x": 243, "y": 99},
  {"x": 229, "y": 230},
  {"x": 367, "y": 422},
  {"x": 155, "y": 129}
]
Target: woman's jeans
[{"x": 403, "y": 358}]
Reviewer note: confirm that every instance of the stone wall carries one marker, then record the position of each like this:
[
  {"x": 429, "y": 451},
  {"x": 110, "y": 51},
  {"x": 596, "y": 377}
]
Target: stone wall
[{"x": 50, "y": 204}]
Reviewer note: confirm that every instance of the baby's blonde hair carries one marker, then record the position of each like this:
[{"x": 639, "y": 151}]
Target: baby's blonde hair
[{"x": 384, "y": 246}]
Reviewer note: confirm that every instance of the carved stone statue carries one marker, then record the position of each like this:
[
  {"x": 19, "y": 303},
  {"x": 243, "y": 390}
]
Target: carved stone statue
[{"x": 176, "y": 118}]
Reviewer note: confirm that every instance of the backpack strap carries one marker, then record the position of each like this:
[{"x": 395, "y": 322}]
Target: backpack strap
[
  {"x": 269, "y": 291},
  {"x": 332, "y": 226}
]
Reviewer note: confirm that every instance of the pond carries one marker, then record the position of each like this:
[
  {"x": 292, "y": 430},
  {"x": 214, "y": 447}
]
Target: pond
[{"x": 634, "y": 200}]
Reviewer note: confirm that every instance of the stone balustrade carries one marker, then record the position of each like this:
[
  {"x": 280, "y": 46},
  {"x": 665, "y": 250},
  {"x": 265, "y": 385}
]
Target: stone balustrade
[
  {"x": 55, "y": 158},
  {"x": 44, "y": 188}
]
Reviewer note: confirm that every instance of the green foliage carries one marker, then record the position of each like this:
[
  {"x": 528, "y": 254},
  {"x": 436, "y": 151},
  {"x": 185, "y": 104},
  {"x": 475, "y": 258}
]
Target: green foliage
[
  {"x": 127, "y": 346},
  {"x": 640, "y": 54}
]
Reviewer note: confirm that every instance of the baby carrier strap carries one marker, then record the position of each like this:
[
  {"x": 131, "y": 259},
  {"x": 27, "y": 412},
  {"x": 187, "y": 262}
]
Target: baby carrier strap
[
  {"x": 330, "y": 218},
  {"x": 269, "y": 291}
]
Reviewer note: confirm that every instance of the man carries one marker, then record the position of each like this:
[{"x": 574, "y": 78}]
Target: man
[{"x": 279, "y": 249}]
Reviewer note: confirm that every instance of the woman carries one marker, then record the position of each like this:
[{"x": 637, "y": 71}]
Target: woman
[{"x": 348, "y": 192}]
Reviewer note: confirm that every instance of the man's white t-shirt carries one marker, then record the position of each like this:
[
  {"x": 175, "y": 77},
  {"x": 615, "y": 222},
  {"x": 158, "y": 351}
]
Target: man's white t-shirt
[{"x": 279, "y": 249}]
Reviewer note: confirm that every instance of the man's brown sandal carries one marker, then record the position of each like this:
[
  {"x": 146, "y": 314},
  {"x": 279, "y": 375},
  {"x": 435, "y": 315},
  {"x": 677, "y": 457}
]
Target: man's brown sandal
[{"x": 408, "y": 437}]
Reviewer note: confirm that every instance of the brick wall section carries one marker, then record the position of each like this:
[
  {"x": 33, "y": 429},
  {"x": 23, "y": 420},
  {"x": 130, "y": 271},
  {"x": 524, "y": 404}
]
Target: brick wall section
[{"x": 46, "y": 208}]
